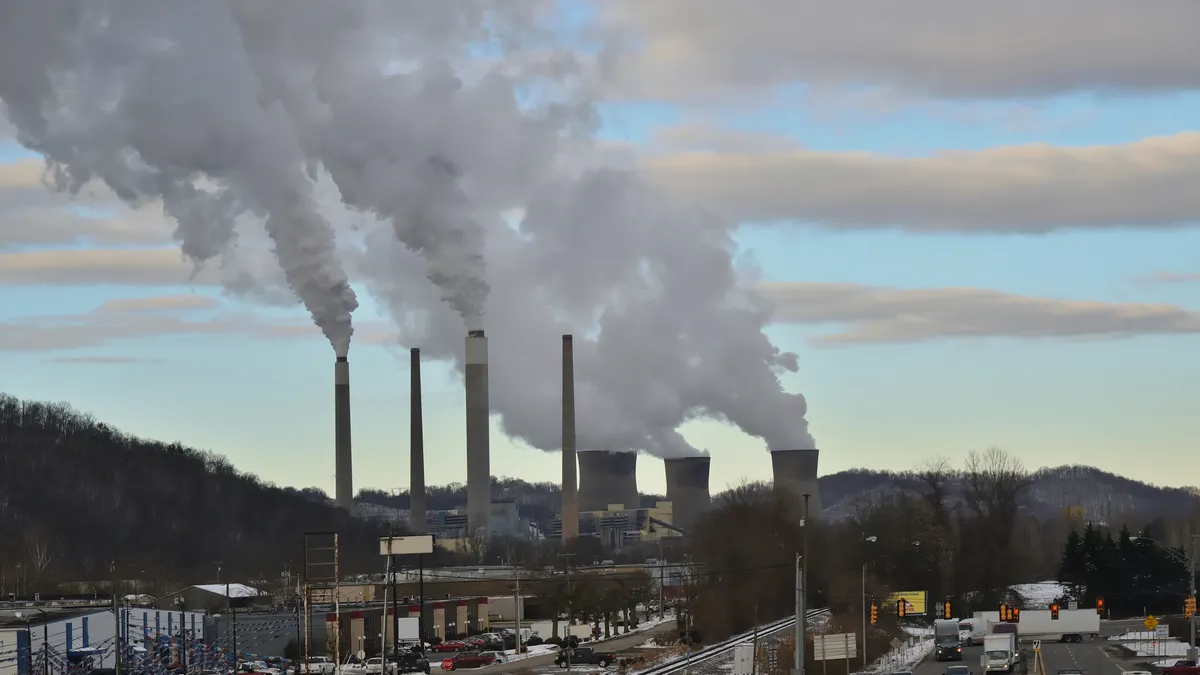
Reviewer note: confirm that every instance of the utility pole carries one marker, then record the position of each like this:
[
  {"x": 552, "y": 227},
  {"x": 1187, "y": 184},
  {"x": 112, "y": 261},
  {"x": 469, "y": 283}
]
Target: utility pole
[
  {"x": 1192, "y": 592},
  {"x": 864, "y": 616},
  {"x": 801, "y": 590},
  {"x": 118, "y": 621}
]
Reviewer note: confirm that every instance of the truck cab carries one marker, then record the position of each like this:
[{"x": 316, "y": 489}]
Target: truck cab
[{"x": 947, "y": 645}]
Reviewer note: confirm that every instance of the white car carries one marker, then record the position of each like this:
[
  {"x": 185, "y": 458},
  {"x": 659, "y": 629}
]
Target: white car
[{"x": 318, "y": 665}]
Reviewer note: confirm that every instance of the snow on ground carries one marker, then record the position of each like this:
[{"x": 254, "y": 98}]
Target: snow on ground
[
  {"x": 1142, "y": 643},
  {"x": 1040, "y": 593},
  {"x": 909, "y": 653},
  {"x": 541, "y": 650}
]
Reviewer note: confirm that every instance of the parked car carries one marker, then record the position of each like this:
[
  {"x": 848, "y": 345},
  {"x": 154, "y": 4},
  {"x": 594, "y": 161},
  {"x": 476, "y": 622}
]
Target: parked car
[
  {"x": 467, "y": 660},
  {"x": 584, "y": 655},
  {"x": 409, "y": 662},
  {"x": 451, "y": 646},
  {"x": 318, "y": 665},
  {"x": 497, "y": 657}
]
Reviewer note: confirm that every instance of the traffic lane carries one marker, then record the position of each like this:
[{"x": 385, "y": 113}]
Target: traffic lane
[
  {"x": 612, "y": 645},
  {"x": 1108, "y": 628},
  {"x": 1089, "y": 657},
  {"x": 970, "y": 659}
]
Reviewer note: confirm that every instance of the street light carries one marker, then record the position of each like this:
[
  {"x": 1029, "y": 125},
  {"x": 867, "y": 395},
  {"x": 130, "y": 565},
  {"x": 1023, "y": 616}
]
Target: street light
[
  {"x": 1188, "y": 561},
  {"x": 871, "y": 539}
]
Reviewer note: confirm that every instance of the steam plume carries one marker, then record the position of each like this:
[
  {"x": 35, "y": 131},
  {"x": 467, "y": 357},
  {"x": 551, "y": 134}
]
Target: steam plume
[{"x": 160, "y": 102}]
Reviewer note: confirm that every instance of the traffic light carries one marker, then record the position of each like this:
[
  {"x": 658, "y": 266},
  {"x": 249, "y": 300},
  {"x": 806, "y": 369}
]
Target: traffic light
[
  {"x": 1189, "y": 606},
  {"x": 1015, "y": 613},
  {"x": 874, "y": 613},
  {"x": 1054, "y": 611},
  {"x": 900, "y": 607},
  {"x": 946, "y": 613},
  {"x": 1099, "y": 605},
  {"x": 1005, "y": 615}
]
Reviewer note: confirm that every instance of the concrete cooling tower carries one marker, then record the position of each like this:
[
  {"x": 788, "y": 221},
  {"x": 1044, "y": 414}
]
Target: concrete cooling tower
[
  {"x": 687, "y": 489},
  {"x": 796, "y": 475},
  {"x": 607, "y": 478}
]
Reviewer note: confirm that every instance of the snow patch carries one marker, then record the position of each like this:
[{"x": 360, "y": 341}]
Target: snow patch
[{"x": 1039, "y": 594}]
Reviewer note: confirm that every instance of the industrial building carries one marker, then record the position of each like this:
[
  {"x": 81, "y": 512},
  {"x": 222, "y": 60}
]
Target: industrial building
[
  {"x": 618, "y": 526},
  {"x": 687, "y": 489},
  {"x": 795, "y": 475},
  {"x": 444, "y": 618}
]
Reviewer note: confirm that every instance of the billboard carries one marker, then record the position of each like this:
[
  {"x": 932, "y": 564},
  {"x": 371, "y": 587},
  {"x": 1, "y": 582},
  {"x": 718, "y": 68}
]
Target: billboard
[{"x": 915, "y": 601}]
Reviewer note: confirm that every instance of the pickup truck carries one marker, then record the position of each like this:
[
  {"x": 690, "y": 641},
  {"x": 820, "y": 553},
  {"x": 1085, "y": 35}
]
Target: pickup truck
[
  {"x": 584, "y": 656},
  {"x": 318, "y": 665}
]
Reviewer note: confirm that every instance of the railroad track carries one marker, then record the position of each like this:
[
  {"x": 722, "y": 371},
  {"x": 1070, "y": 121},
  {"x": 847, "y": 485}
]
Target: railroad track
[{"x": 726, "y": 647}]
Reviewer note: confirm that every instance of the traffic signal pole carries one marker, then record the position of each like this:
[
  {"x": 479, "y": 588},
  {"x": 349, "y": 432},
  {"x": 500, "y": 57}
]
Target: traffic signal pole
[{"x": 1192, "y": 594}]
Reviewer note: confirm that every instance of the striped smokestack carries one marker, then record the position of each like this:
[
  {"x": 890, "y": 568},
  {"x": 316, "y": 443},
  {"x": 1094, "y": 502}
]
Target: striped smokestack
[
  {"x": 687, "y": 489},
  {"x": 479, "y": 475},
  {"x": 416, "y": 445},
  {"x": 796, "y": 475},
  {"x": 607, "y": 478},
  {"x": 570, "y": 484},
  {"x": 342, "y": 459}
]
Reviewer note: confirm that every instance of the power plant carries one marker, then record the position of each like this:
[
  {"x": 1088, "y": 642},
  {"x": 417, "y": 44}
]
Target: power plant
[
  {"x": 342, "y": 459},
  {"x": 479, "y": 474},
  {"x": 416, "y": 445},
  {"x": 795, "y": 473},
  {"x": 570, "y": 486},
  {"x": 687, "y": 489},
  {"x": 607, "y": 478}
]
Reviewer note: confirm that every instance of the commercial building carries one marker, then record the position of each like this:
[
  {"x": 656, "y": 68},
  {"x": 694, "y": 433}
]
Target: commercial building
[{"x": 364, "y": 627}]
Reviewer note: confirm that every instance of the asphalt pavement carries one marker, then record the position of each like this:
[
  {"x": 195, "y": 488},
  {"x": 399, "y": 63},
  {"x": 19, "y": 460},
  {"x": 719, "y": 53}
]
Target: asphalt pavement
[{"x": 1090, "y": 657}]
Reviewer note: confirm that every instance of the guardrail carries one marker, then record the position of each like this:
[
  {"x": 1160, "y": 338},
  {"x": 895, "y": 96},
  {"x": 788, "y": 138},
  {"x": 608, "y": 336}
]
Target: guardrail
[{"x": 725, "y": 647}]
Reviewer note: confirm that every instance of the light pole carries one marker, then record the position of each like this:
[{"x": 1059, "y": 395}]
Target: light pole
[
  {"x": 870, "y": 540},
  {"x": 1189, "y": 562},
  {"x": 801, "y": 590}
]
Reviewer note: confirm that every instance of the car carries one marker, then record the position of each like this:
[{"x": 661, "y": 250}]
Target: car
[
  {"x": 1070, "y": 671},
  {"x": 467, "y": 660},
  {"x": 958, "y": 670},
  {"x": 409, "y": 662},
  {"x": 451, "y": 646},
  {"x": 321, "y": 665},
  {"x": 497, "y": 657},
  {"x": 584, "y": 655}
]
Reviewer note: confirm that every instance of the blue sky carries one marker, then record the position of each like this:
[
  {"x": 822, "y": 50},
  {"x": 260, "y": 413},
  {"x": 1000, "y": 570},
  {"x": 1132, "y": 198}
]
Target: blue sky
[{"x": 1123, "y": 404}]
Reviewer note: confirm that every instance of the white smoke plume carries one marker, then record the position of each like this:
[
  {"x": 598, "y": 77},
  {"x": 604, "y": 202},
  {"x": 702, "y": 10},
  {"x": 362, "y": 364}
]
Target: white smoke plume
[
  {"x": 435, "y": 117},
  {"x": 160, "y": 101}
]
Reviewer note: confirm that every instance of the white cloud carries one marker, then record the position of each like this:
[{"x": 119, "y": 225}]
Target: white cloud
[
  {"x": 158, "y": 303},
  {"x": 874, "y": 314},
  {"x": 1176, "y": 277},
  {"x": 1028, "y": 188},
  {"x": 713, "y": 49}
]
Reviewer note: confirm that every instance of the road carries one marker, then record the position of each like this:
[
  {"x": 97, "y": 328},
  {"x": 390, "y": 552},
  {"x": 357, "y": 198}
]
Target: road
[
  {"x": 539, "y": 662},
  {"x": 1089, "y": 657}
]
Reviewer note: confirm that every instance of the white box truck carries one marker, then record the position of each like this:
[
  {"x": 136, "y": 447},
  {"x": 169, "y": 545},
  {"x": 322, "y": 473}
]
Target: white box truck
[
  {"x": 1072, "y": 625},
  {"x": 1000, "y": 653}
]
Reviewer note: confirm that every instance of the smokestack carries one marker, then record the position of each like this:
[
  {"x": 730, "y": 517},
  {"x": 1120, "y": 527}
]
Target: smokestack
[
  {"x": 796, "y": 475},
  {"x": 479, "y": 475},
  {"x": 687, "y": 489},
  {"x": 342, "y": 459},
  {"x": 607, "y": 478},
  {"x": 416, "y": 445},
  {"x": 570, "y": 482}
]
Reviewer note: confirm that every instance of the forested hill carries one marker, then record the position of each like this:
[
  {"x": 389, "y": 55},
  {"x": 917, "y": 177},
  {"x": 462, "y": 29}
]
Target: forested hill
[{"x": 76, "y": 494}]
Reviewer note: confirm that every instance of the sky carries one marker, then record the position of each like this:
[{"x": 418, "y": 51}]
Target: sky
[{"x": 974, "y": 227}]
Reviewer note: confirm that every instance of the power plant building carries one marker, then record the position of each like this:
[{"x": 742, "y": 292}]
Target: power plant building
[
  {"x": 795, "y": 473},
  {"x": 687, "y": 489},
  {"x": 607, "y": 478}
]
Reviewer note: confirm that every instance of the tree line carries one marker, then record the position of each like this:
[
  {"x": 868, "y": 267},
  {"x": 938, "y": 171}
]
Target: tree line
[{"x": 1132, "y": 574}]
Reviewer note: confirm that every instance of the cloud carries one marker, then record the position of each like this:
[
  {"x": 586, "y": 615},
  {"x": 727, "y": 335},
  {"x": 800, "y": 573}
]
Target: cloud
[
  {"x": 103, "y": 360},
  {"x": 1175, "y": 277},
  {"x": 158, "y": 303},
  {"x": 132, "y": 267},
  {"x": 874, "y": 314},
  {"x": 708, "y": 49},
  {"x": 1029, "y": 188}
]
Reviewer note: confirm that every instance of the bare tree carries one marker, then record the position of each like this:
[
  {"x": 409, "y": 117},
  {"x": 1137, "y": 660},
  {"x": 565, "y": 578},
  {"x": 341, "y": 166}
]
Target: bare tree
[
  {"x": 993, "y": 482},
  {"x": 38, "y": 546}
]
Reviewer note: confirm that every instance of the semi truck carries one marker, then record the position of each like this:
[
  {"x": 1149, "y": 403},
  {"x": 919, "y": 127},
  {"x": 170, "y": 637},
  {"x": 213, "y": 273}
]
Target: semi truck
[
  {"x": 1072, "y": 625},
  {"x": 1000, "y": 653},
  {"x": 946, "y": 643}
]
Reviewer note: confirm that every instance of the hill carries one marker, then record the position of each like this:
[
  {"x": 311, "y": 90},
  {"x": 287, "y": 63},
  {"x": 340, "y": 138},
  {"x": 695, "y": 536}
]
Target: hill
[{"x": 76, "y": 494}]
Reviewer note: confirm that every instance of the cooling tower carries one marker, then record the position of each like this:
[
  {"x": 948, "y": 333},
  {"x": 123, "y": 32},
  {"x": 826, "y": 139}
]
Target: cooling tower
[
  {"x": 796, "y": 475},
  {"x": 416, "y": 445},
  {"x": 342, "y": 461},
  {"x": 570, "y": 479},
  {"x": 687, "y": 489},
  {"x": 479, "y": 475},
  {"x": 607, "y": 478}
]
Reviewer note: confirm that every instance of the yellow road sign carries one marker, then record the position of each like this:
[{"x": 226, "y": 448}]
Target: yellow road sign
[{"x": 1150, "y": 623}]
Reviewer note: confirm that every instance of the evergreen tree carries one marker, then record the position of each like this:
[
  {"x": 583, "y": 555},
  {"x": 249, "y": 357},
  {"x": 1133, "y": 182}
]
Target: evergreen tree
[{"x": 1071, "y": 568}]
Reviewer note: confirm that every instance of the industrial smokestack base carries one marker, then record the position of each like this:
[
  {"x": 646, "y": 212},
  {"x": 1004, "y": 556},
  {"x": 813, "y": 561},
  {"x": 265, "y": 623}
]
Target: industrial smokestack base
[
  {"x": 607, "y": 478},
  {"x": 416, "y": 447},
  {"x": 343, "y": 460},
  {"x": 570, "y": 477},
  {"x": 687, "y": 489},
  {"x": 795, "y": 474},
  {"x": 479, "y": 473}
]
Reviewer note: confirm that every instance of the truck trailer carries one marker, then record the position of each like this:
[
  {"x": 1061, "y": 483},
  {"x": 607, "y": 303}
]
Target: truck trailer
[{"x": 1072, "y": 625}]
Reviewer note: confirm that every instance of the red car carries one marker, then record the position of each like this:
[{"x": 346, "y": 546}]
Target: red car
[
  {"x": 451, "y": 646},
  {"x": 468, "y": 660}
]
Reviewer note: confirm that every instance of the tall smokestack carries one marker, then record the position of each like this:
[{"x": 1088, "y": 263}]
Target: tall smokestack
[
  {"x": 607, "y": 478},
  {"x": 416, "y": 445},
  {"x": 687, "y": 489},
  {"x": 570, "y": 483},
  {"x": 796, "y": 475},
  {"x": 342, "y": 459},
  {"x": 479, "y": 474}
]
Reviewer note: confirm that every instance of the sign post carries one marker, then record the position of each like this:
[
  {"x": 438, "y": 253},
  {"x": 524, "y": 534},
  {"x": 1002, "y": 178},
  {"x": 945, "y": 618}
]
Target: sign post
[
  {"x": 1150, "y": 623},
  {"x": 419, "y": 545}
]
